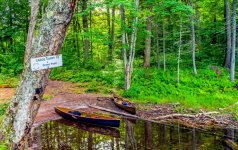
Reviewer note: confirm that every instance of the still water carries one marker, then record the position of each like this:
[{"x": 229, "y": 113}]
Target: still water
[{"x": 132, "y": 135}]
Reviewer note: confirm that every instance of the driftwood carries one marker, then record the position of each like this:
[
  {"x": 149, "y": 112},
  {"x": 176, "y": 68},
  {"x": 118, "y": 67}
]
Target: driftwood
[
  {"x": 231, "y": 144},
  {"x": 104, "y": 98},
  {"x": 186, "y": 115},
  {"x": 122, "y": 114}
]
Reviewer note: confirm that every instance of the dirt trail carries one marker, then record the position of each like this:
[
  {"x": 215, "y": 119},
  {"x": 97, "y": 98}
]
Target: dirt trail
[
  {"x": 61, "y": 93},
  {"x": 6, "y": 94},
  {"x": 72, "y": 95},
  {"x": 64, "y": 94}
]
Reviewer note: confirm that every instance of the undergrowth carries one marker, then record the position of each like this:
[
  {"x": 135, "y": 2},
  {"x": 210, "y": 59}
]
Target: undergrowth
[
  {"x": 8, "y": 81},
  {"x": 208, "y": 90}
]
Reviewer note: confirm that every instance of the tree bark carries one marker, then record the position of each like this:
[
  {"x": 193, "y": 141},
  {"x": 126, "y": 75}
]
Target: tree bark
[
  {"x": 109, "y": 33},
  {"x": 179, "y": 50},
  {"x": 112, "y": 35},
  {"x": 198, "y": 23},
  {"x": 128, "y": 64},
  {"x": 148, "y": 40},
  {"x": 193, "y": 41},
  {"x": 228, "y": 34},
  {"x": 164, "y": 50},
  {"x": 157, "y": 42},
  {"x": 233, "y": 50},
  {"x": 24, "y": 106},
  {"x": 86, "y": 43},
  {"x": 123, "y": 39},
  {"x": 30, "y": 36},
  {"x": 148, "y": 136}
]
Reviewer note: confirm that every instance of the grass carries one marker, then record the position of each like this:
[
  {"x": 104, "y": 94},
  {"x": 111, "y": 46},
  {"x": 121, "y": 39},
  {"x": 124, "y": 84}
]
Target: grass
[
  {"x": 7, "y": 81},
  {"x": 208, "y": 90}
]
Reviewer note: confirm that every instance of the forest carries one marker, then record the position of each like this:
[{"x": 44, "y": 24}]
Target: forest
[{"x": 180, "y": 52}]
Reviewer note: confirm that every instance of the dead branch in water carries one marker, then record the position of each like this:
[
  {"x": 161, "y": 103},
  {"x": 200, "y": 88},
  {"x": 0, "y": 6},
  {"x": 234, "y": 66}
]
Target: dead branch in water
[
  {"x": 187, "y": 115},
  {"x": 122, "y": 114}
]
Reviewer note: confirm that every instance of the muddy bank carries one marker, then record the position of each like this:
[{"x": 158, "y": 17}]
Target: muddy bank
[{"x": 72, "y": 95}]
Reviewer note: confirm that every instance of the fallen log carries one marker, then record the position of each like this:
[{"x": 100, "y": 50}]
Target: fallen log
[
  {"x": 122, "y": 114},
  {"x": 186, "y": 115}
]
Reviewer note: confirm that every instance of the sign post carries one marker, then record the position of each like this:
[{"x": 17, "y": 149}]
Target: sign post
[{"x": 47, "y": 62}]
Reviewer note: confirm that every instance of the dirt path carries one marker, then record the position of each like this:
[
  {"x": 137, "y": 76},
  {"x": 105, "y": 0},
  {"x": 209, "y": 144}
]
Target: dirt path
[
  {"x": 6, "y": 94},
  {"x": 72, "y": 95},
  {"x": 68, "y": 95},
  {"x": 61, "y": 93}
]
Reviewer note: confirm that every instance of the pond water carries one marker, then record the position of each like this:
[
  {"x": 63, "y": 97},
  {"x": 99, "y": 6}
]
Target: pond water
[{"x": 133, "y": 135}]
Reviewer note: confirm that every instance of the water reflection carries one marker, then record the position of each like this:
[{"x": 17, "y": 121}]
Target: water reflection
[{"x": 139, "y": 135}]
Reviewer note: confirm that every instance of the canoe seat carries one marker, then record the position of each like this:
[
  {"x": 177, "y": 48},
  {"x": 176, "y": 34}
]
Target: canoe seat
[
  {"x": 75, "y": 113},
  {"x": 124, "y": 103}
]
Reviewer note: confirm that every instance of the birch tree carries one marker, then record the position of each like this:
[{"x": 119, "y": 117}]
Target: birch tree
[
  {"x": 128, "y": 61},
  {"x": 193, "y": 41},
  {"x": 179, "y": 49},
  {"x": 233, "y": 51},
  {"x": 23, "y": 108},
  {"x": 34, "y": 11}
]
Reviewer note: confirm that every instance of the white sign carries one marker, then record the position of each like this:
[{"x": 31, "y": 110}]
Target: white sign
[{"x": 46, "y": 62}]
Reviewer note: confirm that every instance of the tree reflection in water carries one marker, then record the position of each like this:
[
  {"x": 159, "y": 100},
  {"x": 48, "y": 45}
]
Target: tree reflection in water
[{"x": 139, "y": 135}]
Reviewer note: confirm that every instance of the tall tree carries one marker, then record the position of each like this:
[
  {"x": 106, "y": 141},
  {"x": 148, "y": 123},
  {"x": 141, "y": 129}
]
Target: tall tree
[
  {"x": 112, "y": 41},
  {"x": 24, "y": 106},
  {"x": 148, "y": 136},
  {"x": 148, "y": 39},
  {"x": 111, "y": 31},
  {"x": 164, "y": 46},
  {"x": 34, "y": 11},
  {"x": 157, "y": 42},
  {"x": 86, "y": 43},
  {"x": 128, "y": 63},
  {"x": 179, "y": 49},
  {"x": 228, "y": 34},
  {"x": 193, "y": 41},
  {"x": 198, "y": 23},
  {"x": 233, "y": 50}
]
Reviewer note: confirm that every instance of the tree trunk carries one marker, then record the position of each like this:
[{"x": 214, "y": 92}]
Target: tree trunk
[
  {"x": 128, "y": 65},
  {"x": 24, "y": 106},
  {"x": 193, "y": 41},
  {"x": 157, "y": 42},
  {"x": 124, "y": 55},
  {"x": 233, "y": 50},
  {"x": 164, "y": 45},
  {"x": 30, "y": 36},
  {"x": 179, "y": 50},
  {"x": 148, "y": 40},
  {"x": 198, "y": 23},
  {"x": 228, "y": 34},
  {"x": 109, "y": 33},
  {"x": 112, "y": 37},
  {"x": 86, "y": 43},
  {"x": 91, "y": 35},
  {"x": 148, "y": 136}
]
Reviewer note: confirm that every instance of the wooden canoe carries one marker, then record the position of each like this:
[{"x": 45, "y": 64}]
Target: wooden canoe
[
  {"x": 80, "y": 116},
  {"x": 108, "y": 131},
  {"x": 125, "y": 105}
]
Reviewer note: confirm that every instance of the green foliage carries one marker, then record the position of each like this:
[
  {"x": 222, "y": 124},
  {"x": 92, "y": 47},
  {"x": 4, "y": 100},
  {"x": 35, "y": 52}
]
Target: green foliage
[
  {"x": 206, "y": 90},
  {"x": 210, "y": 89},
  {"x": 3, "y": 108},
  {"x": 11, "y": 64},
  {"x": 8, "y": 81},
  {"x": 3, "y": 147}
]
